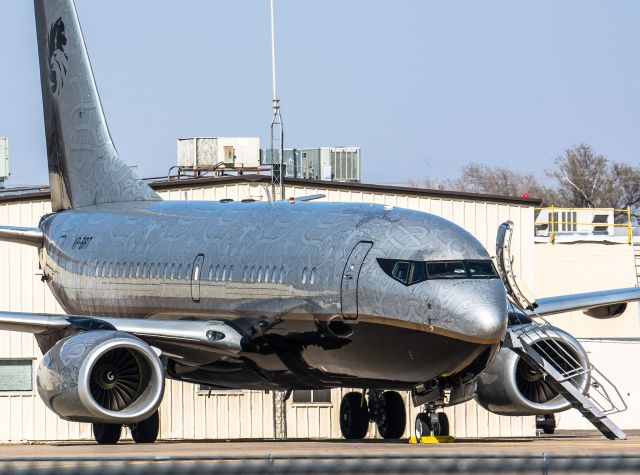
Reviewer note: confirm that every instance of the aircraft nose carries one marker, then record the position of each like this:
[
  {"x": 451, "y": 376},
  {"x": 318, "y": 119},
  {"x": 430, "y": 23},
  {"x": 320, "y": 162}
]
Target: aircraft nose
[
  {"x": 490, "y": 323},
  {"x": 481, "y": 311}
]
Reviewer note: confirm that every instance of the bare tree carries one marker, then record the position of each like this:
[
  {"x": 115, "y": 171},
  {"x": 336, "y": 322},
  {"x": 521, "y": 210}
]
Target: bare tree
[
  {"x": 479, "y": 178},
  {"x": 582, "y": 179},
  {"x": 627, "y": 185}
]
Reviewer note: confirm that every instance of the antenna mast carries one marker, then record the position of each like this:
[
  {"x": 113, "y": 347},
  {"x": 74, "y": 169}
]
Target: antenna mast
[{"x": 277, "y": 128}]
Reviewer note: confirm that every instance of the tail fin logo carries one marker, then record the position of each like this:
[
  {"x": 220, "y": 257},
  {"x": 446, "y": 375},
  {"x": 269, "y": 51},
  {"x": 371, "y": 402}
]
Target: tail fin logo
[{"x": 58, "y": 59}]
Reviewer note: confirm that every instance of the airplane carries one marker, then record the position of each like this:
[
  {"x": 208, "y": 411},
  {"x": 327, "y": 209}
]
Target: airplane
[{"x": 256, "y": 295}]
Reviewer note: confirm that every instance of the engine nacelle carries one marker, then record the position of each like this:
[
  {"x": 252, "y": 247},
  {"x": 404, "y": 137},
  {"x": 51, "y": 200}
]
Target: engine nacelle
[
  {"x": 101, "y": 376},
  {"x": 511, "y": 387}
]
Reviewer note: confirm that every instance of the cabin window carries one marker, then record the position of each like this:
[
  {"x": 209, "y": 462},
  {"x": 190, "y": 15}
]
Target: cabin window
[
  {"x": 217, "y": 272},
  {"x": 111, "y": 267},
  {"x": 312, "y": 396},
  {"x": 244, "y": 274},
  {"x": 224, "y": 273},
  {"x": 98, "y": 269},
  {"x": 187, "y": 273},
  {"x": 260, "y": 274},
  {"x": 266, "y": 273},
  {"x": 253, "y": 273},
  {"x": 281, "y": 275},
  {"x": 312, "y": 278},
  {"x": 211, "y": 272},
  {"x": 179, "y": 271},
  {"x": 274, "y": 274},
  {"x": 230, "y": 273},
  {"x": 304, "y": 275},
  {"x": 165, "y": 271},
  {"x": 173, "y": 271},
  {"x": 132, "y": 270}
]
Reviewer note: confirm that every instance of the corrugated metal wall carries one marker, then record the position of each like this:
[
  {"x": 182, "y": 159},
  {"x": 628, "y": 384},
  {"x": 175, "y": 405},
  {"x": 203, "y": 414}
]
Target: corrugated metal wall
[{"x": 188, "y": 413}]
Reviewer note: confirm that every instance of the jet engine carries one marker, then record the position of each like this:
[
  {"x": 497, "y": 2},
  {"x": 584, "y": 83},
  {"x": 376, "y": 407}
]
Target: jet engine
[
  {"x": 101, "y": 376},
  {"x": 511, "y": 387}
]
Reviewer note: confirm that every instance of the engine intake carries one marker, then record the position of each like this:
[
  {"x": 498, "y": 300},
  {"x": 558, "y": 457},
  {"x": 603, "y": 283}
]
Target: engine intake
[
  {"x": 511, "y": 387},
  {"x": 101, "y": 376}
]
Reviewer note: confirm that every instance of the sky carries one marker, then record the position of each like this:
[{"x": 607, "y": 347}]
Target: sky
[{"x": 423, "y": 87}]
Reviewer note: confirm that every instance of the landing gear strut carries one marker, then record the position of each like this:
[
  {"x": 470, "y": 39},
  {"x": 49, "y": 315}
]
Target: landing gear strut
[
  {"x": 430, "y": 422},
  {"x": 386, "y": 409}
]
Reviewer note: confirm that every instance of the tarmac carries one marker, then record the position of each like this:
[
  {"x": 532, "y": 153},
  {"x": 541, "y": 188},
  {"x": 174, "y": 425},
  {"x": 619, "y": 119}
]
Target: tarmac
[
  {"x": 566, "y": 446},
  {"x": 568, "y": 443}
]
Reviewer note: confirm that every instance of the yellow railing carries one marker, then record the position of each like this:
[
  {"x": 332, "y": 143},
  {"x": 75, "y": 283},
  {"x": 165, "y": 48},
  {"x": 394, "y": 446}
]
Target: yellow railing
[{"x": 553, "y": 223}]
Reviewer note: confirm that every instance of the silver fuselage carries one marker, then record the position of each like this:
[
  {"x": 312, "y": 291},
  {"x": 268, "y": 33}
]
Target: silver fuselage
[{"x": 294, "y": 266}]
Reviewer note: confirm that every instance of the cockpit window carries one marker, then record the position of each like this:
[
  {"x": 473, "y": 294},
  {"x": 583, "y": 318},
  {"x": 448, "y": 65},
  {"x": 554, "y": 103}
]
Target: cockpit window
[
  {"x": 401, "y": 271},
  {"x": 481, "y": 269},
  {"x": 446, "y": 270},
  {"x": 412, "y": 272},
  {"x": 418, "y": 272}
]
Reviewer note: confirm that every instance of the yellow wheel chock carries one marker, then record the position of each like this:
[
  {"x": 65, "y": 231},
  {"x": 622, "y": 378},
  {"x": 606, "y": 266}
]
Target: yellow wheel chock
[{"x": 432, "y": 439}]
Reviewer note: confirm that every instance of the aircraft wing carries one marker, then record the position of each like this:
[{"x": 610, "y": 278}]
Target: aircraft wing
[
  {"x": 214, "y": 335},
  {"x": 602, "y": 304}
]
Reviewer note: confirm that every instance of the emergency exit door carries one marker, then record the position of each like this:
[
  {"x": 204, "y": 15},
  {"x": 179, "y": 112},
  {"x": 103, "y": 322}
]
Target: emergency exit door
[
  {"x": 350, "y": 277},
  {"x": 196, "y": 274}
]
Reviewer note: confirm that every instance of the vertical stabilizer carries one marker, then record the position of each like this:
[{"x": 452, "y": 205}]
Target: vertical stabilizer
[{"x": 84, "y": 167}]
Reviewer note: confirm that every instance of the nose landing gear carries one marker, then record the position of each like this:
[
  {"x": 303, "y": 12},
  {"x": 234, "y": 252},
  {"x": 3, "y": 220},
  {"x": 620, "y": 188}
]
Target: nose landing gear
[
  {"x": 430, "y": 422},
  {"x": 386, "y": 409}
]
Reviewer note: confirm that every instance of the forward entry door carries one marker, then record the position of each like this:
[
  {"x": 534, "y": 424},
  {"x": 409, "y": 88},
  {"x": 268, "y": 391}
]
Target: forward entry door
[
  {"x": 350, "y": 276},
  {"x": 196, "y": 274}
]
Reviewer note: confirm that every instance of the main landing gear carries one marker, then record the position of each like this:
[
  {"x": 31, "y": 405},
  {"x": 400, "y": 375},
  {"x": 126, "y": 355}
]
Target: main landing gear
[
  {"x": 143, "y": 432},
  {"x": 430, "y": 422},
  {"x": 386, "y": 409}
]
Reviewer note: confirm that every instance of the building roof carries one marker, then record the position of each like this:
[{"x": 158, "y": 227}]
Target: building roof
[{"x": 25, "y": 193}]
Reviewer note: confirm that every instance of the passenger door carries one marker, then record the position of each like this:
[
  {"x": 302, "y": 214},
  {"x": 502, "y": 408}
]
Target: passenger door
[
  {"x": 196, "y": 274},
  {"x": 350, "y": 276}
]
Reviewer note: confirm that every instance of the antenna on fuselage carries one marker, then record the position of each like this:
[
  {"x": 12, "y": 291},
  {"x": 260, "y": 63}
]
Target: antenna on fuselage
[{"x": 277, "y": 127}]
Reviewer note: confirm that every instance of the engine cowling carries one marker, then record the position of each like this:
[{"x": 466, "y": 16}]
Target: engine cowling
[
  {"x": 511, "y": 387},
  {"x": 101, "y": 376}
]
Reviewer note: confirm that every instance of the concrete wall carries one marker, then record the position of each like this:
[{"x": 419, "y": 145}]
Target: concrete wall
[
  {"x": 188, "y": 413},
  {"x": 613, "y": 345}
]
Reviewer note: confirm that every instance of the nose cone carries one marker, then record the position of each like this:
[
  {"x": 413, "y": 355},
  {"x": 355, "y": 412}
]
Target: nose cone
[
  {"x": 476, "y": 310},
  {"x": 490, "y": 316}
]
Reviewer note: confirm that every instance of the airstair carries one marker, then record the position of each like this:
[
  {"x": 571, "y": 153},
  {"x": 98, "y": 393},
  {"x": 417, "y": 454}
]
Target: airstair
[{"x": 580, "y": 383}]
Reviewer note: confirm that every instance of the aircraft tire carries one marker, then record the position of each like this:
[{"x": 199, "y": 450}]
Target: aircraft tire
[
  {"x": 146, "y": 432},
  {"x": 107, "y": 434},
  {"x": 443, "y": 424},
  {"x": 423, "y": 425},
  {"x": 354, "y": 416},
  {"x": 395, "y": 416}
]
